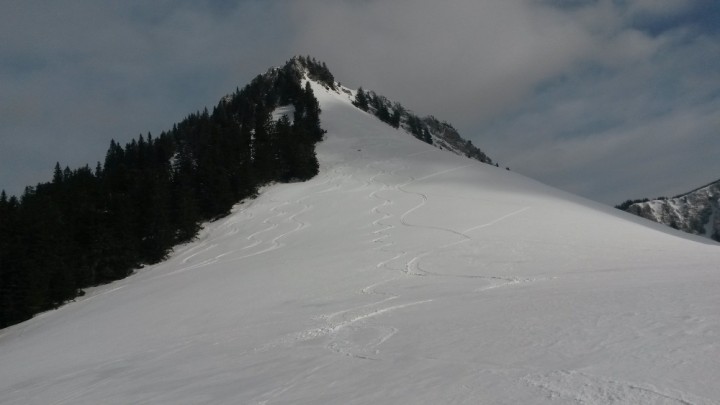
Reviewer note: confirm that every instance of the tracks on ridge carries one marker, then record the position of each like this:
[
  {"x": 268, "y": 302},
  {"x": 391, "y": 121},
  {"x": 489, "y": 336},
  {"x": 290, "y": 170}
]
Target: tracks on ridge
[{"x": 360, "y": 330}]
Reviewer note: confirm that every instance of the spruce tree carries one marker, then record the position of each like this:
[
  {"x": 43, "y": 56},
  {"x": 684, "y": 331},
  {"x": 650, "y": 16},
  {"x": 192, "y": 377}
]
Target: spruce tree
[
  {"x": 90, "y": 227},
  {"x": 361, "y": 100}
]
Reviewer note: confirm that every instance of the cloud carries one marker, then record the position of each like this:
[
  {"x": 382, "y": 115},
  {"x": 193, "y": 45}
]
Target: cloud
[
  {"x": 77, "y": 74},
  {"x": 478, "y": 57},
  {"x": 590, "y": 96},
  {"x": 570, "y": 91},
  {"x": 645, "y": 128},
  {"x": 658, "y": 7}
]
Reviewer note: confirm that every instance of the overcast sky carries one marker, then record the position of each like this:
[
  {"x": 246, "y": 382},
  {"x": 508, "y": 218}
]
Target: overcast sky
[{"x": 609, "y": 99}]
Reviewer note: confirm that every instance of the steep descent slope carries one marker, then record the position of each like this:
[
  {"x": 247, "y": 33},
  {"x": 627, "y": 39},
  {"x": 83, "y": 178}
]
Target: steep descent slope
[{"x": 401, "y": 274}]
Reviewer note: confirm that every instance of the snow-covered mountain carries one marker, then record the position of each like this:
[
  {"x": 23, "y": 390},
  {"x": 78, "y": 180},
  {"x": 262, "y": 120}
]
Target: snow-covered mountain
[
  {"x": 401, "y": 274},
  {"x": 428, "y": 129},
  {"x": 695, "y": 212}
]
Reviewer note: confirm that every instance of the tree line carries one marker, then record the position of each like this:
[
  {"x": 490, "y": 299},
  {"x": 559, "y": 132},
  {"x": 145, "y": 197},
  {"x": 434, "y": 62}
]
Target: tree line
[
  {"x": 91, "y": 226},
  {"x": 394, "y": 114}
]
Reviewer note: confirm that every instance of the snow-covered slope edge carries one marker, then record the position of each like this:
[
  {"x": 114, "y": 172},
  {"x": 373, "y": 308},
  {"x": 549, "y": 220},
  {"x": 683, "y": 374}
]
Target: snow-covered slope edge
[
  {"x": 401, "y": 274},
  {"x": 429, "y": 129},
  {"x": 696, "y": 212}
]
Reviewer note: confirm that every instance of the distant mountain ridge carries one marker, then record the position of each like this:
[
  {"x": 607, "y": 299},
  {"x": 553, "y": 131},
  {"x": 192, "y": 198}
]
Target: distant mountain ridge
[{"x": 696, "y": 212}]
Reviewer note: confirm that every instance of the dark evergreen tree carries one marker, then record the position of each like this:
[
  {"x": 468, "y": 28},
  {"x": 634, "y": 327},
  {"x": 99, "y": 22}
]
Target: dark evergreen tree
[
  {"x": 361, "y": 100},
  {"x": 381, "y": 109},
  {"x": 426, "y": 137},
  {"x": 90, "y": 227},
  {"x": 57, "y": 174},
  {"x": 397, "y": 113},
  {"x": 9, "y": 271}
]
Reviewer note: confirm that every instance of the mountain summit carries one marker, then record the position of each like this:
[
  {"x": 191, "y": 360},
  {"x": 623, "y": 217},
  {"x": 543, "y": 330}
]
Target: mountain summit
[
  {"x": 86, "y": 228},
  {"x": 427, "y": 129},
  {"x": 400, "y": 274}
]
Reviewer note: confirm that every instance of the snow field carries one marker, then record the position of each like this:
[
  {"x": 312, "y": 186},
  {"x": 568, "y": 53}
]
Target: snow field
[{"x": 400, "y": 274}]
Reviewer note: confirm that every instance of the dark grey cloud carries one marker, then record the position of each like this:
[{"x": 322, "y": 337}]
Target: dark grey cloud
[
  {"x": 75, "y": 74},
  {"x": 610, "y": 99},
  {"x": 642, "y": 127}
]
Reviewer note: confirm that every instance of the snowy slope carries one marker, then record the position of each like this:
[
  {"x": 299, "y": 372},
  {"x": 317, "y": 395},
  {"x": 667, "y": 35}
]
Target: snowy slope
[
  {"x": 402, "y": 274},
  {"x": 695, "y": 212}
]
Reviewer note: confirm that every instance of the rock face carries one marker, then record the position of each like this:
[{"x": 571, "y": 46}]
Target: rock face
[{"x": 695, "y": 212}]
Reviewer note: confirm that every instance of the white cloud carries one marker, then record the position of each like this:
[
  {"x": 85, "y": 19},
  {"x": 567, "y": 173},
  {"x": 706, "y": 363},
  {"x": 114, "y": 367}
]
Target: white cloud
[
  {"x": 574, "y": 83},
  {"x": 645, "y": 127},
  {"x": 659, "y": 7}
]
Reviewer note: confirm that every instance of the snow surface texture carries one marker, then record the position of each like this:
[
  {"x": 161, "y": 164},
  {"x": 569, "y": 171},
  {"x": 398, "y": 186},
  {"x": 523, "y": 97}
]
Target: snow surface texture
[
  {"x": 695, "y": 212},
  {"x": 402, "y": 274}
]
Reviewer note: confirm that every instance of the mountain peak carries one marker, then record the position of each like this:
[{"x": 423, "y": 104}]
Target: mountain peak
[
  {"x": 311, "y": 68},
  {"x": 428, "y": 129},
  {"x": 399, "y": 273}
]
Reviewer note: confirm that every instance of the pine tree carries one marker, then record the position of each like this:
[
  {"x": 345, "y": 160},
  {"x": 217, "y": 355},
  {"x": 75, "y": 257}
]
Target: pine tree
[
  {"x": 361, "y": 100},
  {"x": 285, "y": 165},
  {"x": 398, "y": 111},
  {"x": 57, "y": 174},
  {"x": 426, "y": 137},
  {"x": 89, "y": 227},
  {"x": 11, "y": 310}
]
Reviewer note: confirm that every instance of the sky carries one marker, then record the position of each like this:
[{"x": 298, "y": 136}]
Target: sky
[{"x": 609, "y": 99}]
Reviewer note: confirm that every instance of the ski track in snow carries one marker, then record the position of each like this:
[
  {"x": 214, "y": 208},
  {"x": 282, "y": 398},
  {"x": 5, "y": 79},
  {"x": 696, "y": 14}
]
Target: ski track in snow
[
  {"x": 268, "y": 239},
  {"x": 412, "y": 266},
  {"x": 345, "y": 324},
  {"x": 277, "y": 221},
  {"x": 341, "y": 326},
  {"x": 344, "y": 345},
  {"x": 582, "y": 388}
]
